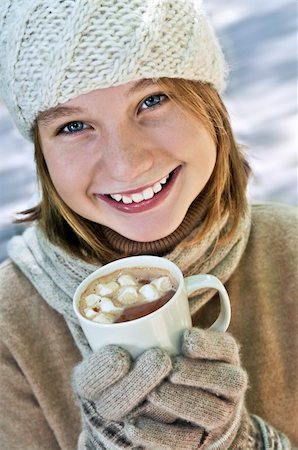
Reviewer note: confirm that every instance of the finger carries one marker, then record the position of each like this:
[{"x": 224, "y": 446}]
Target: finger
[
  {"x": 156, "y": 435},
  {"x": 233, "y": 435},
  {"x": 148, "y": 371},
  {"x": 103, "y": 368},
  {"x": 211, "y": 345},
  {"x": 222, "y": 379},
  {"x": 194, "y": 405},
  {"x": 147, "y": 409}
]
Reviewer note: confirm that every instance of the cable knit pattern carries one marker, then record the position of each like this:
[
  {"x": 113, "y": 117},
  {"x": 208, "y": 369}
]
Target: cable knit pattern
[{"x": 65, "y": 48}]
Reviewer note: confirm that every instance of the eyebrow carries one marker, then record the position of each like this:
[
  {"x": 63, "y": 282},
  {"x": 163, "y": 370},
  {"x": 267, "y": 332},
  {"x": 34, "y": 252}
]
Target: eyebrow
[
  {"x": 47, "y": 117},
  {"x": 139, "y": 85}
]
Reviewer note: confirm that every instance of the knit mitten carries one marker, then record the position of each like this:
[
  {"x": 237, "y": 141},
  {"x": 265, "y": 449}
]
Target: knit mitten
[
  {"x": 203, "y": 402},
  {"x": 108, "y": 386},
  {"x": 204, "y": 395}
]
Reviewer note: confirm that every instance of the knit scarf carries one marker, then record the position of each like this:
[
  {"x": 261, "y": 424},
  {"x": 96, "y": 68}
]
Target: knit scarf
[{"x": 56, "y": 275}]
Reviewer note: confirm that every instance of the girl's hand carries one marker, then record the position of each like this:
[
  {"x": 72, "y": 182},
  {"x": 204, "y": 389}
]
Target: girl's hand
[
  {"x": 108, "y": 386},
  {"x": 203, "y": 397},
  {"x": 192, "y": 401}
]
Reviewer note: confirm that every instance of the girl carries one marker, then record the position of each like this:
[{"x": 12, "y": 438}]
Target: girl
[{"x": 135, "y": 155}]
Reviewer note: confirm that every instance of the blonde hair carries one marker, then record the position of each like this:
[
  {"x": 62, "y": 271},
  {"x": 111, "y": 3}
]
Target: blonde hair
[{"x": 224, "y": 192}]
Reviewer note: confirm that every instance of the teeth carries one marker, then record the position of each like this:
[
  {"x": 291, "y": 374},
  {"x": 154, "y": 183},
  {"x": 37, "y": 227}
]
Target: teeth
[
  {"x": 148, "y": 193},
  {"x": 116, "y": 197},
  {"x": 137, "y": 198},
  {"x": 157, "y": 187},
  {"x": 126, "y": 199},
  {"x": 140, "y": 196}
]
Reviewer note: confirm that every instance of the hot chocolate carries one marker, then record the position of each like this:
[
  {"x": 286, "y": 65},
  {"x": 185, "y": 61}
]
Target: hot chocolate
[{"x": 127, "y": 294}]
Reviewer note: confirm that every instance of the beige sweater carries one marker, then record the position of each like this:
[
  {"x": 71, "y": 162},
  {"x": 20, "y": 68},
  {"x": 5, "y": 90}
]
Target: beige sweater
[{"x": 38, "y": 354}]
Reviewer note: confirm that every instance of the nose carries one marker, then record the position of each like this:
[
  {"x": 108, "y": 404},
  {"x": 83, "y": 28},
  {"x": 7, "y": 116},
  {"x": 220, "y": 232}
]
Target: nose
[{"x": 127, "y": 155}]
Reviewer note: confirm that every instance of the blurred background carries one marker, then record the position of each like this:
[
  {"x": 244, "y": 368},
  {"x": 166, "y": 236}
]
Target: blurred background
[{"x": 260, "y": 42}]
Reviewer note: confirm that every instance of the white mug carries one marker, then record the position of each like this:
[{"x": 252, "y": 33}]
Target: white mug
[{"x": 162, "y": 328}]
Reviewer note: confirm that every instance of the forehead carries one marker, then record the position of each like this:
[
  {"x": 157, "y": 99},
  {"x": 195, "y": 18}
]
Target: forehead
[{"x": 73, "y": 105}]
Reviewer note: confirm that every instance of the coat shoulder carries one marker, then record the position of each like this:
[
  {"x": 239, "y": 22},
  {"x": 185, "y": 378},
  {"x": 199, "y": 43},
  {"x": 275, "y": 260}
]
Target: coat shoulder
[
  {"x": 274, "y": 221},
  {"x": 275, "y": 211},
  {"x": 13, "y": 283},
  {"x": 20, "y": 302}
]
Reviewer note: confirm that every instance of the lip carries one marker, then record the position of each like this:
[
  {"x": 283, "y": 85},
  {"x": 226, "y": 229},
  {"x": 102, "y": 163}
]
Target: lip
[
  {"x": 135, "y": 191},
  {"x": 145, "y": 205}
]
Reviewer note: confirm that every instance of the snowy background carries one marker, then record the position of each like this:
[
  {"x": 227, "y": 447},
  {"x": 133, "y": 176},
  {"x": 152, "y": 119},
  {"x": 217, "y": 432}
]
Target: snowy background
[{"x": 260, "y": 43}]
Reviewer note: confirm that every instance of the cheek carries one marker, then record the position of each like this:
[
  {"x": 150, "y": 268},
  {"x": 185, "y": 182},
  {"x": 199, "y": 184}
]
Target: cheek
[
  {"x": 68, "y": 172},
  {"x": 199, "y": 149},
  {"x": 188, "y": 139},
  {"x": 206, "y": 161}
]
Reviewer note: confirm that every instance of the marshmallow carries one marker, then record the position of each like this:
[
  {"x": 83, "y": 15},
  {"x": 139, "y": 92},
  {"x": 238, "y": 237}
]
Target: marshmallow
[
  {"x": 162, "y": 284},
  {"x": 90, "y": 313},
  {"x": 127, "y": 280},
  {"x": 149, "y": 292},
  {"x": 127, "y": 295},
  {"x": 102, "y": 318},
  {"x": 106, "y": 305},
  {"x": 106, "y": 288},
  {"x": 92, "y": 300}
]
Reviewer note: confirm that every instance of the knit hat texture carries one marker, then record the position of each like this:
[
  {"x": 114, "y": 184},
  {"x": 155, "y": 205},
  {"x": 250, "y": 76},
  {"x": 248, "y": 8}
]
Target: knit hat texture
[{"x": 54, "y": 50}]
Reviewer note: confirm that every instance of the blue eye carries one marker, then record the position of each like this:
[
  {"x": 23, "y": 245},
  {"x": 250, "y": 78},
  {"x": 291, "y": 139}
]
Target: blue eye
[
  {"x": 73, "y": 127},
  {"x": 153, "y": 100}
]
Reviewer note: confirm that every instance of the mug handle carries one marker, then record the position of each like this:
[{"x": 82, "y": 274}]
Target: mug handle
[{"x": 196, "y": 282}]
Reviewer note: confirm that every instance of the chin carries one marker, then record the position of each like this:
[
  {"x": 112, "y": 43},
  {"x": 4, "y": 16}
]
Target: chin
[{"x": 149, "y": 235}]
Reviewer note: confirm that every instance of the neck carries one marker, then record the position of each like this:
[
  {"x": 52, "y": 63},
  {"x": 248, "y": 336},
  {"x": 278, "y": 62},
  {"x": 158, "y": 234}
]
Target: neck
[{"x": 126, "y": 247}]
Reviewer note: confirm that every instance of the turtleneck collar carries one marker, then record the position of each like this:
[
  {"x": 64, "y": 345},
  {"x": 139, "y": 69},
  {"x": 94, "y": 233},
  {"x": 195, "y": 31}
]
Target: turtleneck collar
[{"x": 126, "y": 247}]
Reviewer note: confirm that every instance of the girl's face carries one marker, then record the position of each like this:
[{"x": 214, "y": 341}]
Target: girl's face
[{"x": 127, "y": 157}]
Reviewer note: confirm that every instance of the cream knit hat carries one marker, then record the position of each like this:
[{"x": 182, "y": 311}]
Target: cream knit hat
[{"x": 54, "y": 50}]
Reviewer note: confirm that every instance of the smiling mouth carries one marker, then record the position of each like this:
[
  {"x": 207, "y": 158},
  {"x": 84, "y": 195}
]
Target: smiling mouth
[
  {"x": 142, "y": 200},
  {"x": 145, "y": 194}
]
